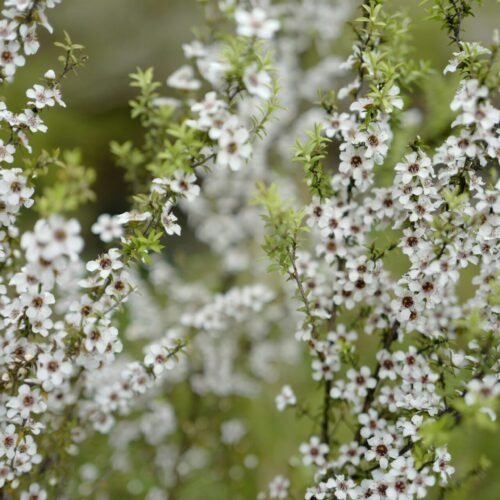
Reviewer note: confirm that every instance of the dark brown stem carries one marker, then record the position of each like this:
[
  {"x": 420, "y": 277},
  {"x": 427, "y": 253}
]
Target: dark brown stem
[{"x": 325, "y": 421}]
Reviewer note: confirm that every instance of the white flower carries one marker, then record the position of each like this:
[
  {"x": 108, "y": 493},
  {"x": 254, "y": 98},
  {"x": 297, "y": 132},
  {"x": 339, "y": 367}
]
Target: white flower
[
  {"x": 13, "y": 189},
  {"x": 209, "y": 107},
  {"x": 381, "y": 449},
  {"x": 50, "y": 74},
  {"x": 420, "y": 481},
  {"x": 353, "y": 161},
  {"x": 184, "y": 184},
  {"x": 361, "y": 381},
  {"x": 132, "y": 216},
  {"x": 169, "y": 221},
  {"x": 6, "y": 152},
  {"x": 469, "y": 92},
  {"x": 255, "y": 23},
  {"x": 452, "y": 65},
  {"x": 338, "y": 123},
  {"x": 257, "y": 82},
  {"x": 194, "y": 49},
  {"x": 184, "y": 79},
  {"x": 285, "y": 398},
  {"x": 158, "y": 357},
  {"x": 233, "y": 143},
  {"x": 441, "y": 465},
  {"x": 25, "y": 402},
  {"x": 411, "y": 427},
  {"x": 278, "y": 488},
  {"x": 108, "y": 228},
  {"x": 232, "y": 431},
  {"x": 10, "y": 59},
  {"x": 32, "y": 120},
  {"x": 314, "y": 452},
  {"x": 30, "y": 41},
  {"x": 53, "y": 369},
  {"x": 482, "y": 389},
  {"x": 41, "y": 96},
  {"x": 395, "y": 101},
  {"x": 344, "y": 487},
  {"x": 371, "y": 423},
  {"x": 376, "y": 144},
  {"x": 8, "y": 440},
  {"x": 106, "y": 263},
  {"x": 35, "y": 492},
  {"x": 414, "y": 167},
  {"x": 99, "y": 336},
  {"x": 37, "y": 306}
]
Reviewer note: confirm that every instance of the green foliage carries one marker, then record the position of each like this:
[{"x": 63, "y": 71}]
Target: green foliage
[
  {"x": 141, "y": 244},
  {"x": 72, "y": 58},
  {"x": 284, "y": 225},
  {"x": 182, "y": 151},
  {"x": 129, "y": 158},
  {"x": 437, "y": 432},
  {"x": 384, "y": 54},
  {"x": 267, "y": 110},
  {"x": 71, "y": 186},
  {"x": 471, "y": 325},
  {"x": 311, "y": 154},
  {"x": 142, "y": 107},
  {"x": 451, "y": 14}
]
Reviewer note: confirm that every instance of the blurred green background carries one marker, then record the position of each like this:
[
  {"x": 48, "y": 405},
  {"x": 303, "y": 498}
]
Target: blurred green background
[{"x": 120, "y": 35}]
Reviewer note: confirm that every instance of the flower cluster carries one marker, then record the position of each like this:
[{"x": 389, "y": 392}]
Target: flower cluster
[
  {"x": 437, "y": 211},
  {"x": 155, "y": 359}
]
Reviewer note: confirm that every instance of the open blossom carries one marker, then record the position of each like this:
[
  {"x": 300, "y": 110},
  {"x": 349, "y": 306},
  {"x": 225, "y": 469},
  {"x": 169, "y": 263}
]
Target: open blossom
[
  {"x": 278, "y": 488},
  {"x": 285, "y": 398},
  {"x": 343, "y": 487},
  {"x": 14, "y": 190},
  {"x": 38, "y": 305},
  {"x": 6, "y": 152},
  {"x": 8, "y": 440},
  {"x": 99, "y": 337},
  {"x": 41, "y": 96},
  {"x": 184, "y": 79},
  {"x": 414, "y": 168},
  {"x": 30, "y": 41},
  {"x": 255, "y": 23},
  {"x": 106, "y": 263},
  {"x": 53, "y": 369},
  {"x": 33, "y": 121},
  {"x": 34, "y": 492},
  {"x": 52, "y": 238},
  {"x": 10, "y": 58},
  {"x": 26, "y": 402},
  {"x": 108, "y": 228},
  {"x": 381, "y": 449},
  {"x": 158, "y": 358},
  {"x": 169, "y": 221},
  {"x": 314, "y": 452},
  {"x": 258, "y": 82},
  {"x": 185, "y": 184},
  {"x": 482, "y": 389},
  {"x": 442, "y": 466},
  {"x": 234, "y": 149}
]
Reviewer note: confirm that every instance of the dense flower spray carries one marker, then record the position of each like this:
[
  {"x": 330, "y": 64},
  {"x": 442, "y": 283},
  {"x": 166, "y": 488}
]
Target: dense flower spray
[{"x": 126, "y": 346}]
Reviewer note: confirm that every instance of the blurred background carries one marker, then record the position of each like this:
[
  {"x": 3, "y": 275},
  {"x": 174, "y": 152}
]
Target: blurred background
[{"x": 121, "y": 35}]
